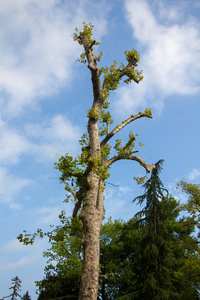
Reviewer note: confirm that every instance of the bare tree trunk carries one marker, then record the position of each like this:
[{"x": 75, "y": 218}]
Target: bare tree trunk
[
  {"x": 92, "y": 206},
  {"x": 91, "y": 217}
]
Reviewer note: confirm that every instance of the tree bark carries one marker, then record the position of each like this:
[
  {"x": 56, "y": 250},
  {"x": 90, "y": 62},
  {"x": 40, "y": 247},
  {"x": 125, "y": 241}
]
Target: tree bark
[
  {"x": 91, "y": 216},
  {"x": 92, "y": 208}
]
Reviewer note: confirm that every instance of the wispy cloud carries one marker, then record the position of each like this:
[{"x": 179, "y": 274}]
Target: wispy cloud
[
  {"x": 195, "y": 173},
  {"x": 38, "y": 57},
  {"x": 53, "y": 137},
  {"x": 37, "y": 49},
  {"x": 170, "y": 58},
  {"x": 43, "y": 142},
  {"x": 13, "y": 145},
  {"x": 22, "y": 255},
  {"x": 11, "y": 186},
  {"x": 15, "y": 245},
  {"x": 125, "y": 189},
  {"x": 48, "y": 215}
]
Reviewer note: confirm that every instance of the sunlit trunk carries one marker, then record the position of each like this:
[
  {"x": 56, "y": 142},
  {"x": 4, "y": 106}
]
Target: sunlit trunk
[{"x": 91, "y": 217}]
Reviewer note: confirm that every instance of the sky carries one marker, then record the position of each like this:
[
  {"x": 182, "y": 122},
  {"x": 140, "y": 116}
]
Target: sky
[{"x": 45, "y": 95}]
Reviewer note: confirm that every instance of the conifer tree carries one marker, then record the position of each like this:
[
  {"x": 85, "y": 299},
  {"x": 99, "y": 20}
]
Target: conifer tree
[
  {"x": 16, "y": 287},
  {"x": 154, "y": 251}
]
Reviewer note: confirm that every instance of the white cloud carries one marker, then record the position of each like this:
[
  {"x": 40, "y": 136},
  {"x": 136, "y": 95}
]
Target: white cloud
[
  {"x": 15, "y": 245},
  {"x": 36, "y": 47},
  {"x": 45, "y": 141},
  {"x": 193, "y": 174},
  {"x": 17, "y": 264},
  {"x": 53, "y": 138},
  {"x": 19, "y": 260},
  {"x": 48, "y": 215},
  {"x": 11, "y": 186},
  {"x": 13, "y": 145},
  {"x": 170, "y": 59},
  {"x": 125, "y": 189},
  {"x": 15, "y": 206}
]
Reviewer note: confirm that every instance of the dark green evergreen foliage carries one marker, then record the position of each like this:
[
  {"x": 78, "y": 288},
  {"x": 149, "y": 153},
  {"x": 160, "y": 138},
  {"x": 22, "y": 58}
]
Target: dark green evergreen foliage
[
  {"x": 16, "y": 288},
  {"x": 57, "y": 286},
  {"x": 26, "y": 296},
  {"x": 152, "y": 260},
  {"x": 112, "y": 258}
]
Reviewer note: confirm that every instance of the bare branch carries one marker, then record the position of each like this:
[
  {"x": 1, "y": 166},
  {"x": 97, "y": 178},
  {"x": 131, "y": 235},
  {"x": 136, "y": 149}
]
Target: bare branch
[
  {"x": 115, "y": 185},
  {"x": 130, "y": 157},
  {"x": 122, "y": 125}
]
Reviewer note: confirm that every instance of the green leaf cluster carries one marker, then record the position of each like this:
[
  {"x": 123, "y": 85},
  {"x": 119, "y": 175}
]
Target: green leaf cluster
[
  {"x": 148, "y": 112},
  {"x": 106, "y": 120},
  {"x": 86, "y": 32},
  {"x": 111, "y": 76},
  {"x": 93, "y": 113},
  {"x": 134, "y": 75},
  {"x": 132, "y": 55},
  {"x": 125, "y": 150}
]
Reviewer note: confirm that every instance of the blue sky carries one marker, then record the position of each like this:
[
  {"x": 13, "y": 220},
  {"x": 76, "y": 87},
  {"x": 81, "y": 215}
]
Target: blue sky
[{"x": 45, "y": 95}]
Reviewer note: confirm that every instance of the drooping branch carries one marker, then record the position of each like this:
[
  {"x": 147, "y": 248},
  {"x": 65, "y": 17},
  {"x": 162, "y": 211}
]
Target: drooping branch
[
  {"x": 129, "y": 157},
  {"x": 123, "y": 124}
]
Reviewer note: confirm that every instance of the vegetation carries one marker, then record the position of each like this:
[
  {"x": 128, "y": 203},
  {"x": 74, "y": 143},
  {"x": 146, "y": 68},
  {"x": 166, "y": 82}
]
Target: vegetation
[
  {"x": 155, "y": 255},
  {"x": 16, "y": 289}
]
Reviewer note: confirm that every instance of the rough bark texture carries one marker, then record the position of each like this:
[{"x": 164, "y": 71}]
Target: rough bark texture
[
  {"x": 92, "y": 211},
  {"x": 91, "y": 217},
  {"x": 92, "y": 207}
]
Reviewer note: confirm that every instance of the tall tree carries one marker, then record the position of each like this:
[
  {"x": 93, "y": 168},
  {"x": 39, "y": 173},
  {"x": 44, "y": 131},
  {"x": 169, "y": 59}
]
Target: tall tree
[
  {"x": 96, "y": 152},
  {"x": 16, "y": 287},
  {"x": 155, "y": 248},
  {"x": 85, "y": 176}
]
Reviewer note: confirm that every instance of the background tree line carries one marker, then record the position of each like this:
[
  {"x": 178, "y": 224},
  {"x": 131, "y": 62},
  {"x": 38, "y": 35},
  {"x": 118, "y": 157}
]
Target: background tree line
[{"x": 154, "y": 255}]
